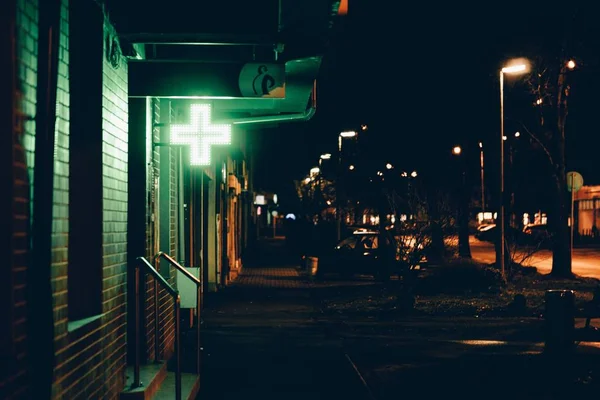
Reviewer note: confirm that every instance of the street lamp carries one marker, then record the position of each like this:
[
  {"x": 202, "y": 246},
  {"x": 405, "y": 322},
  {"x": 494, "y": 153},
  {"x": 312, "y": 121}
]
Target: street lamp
[
  {"x": 464, "y": 249},
  {"x": 325, "y": 156},
  {"x": 351, "y": 167},
  {"x": 389, "y": 166},
  {"x": 348, "y": 134},
  {"x": 516, "y": 67},
  {"x": 341, "y": 136},
  {"x": 413, "y": 174}
]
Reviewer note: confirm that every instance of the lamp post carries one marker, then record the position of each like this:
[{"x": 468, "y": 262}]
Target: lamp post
[
  {"x": 343, "y": 135},
  {"x": 519, "y": 67},
  {"x": 464, "y": 250},
  {"x": 482, "y": 180}
]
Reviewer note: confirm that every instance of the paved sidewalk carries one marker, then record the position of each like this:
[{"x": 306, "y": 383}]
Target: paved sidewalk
[
  {"x": 271, "y": 278},
  {"x": 261, "y": 341}
]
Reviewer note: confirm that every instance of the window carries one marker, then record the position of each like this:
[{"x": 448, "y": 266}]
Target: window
[{"x": 84, "y": 280}]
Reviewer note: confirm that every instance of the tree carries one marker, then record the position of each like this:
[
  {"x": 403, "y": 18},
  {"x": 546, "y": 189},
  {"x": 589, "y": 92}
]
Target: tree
[{"x": 550, "y": 84}]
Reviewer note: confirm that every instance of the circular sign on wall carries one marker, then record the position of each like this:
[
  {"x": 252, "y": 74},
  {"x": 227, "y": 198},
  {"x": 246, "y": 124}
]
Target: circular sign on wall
[
  {"x": 574, "y": 181},
  {"x": 262, "y": 80}
]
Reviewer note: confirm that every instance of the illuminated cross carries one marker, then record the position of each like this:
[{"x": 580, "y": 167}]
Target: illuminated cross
[{"x": 200, "y": 134}]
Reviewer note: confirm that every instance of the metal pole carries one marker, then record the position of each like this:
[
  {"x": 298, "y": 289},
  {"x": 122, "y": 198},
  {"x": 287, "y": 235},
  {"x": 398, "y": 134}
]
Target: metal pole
[
  {"x": 572, "y": 215},
  {"x": 177, "y": 348},
  {"x": 501, "y": 211},
  {"x": 198, "y": 304},
  {"x": 136, "y": 369},
  {"x": 482, "y": 184},
  {"x": 338, "y": 191},
  {"x": 156, "y": 325}
]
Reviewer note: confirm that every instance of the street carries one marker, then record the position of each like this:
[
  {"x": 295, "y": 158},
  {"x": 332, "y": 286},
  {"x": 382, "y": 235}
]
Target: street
[{"x": 586, "y": 262}]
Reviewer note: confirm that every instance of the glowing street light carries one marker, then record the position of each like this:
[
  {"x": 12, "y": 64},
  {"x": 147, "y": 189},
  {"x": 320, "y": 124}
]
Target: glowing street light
[
  {"x": 571, "y": 64},
  {"x": 456, "y": 150},
  {"x": 326, "y": 156},
  {"x": 515, "y": 69},
  {"x": 413, "y": 174},
  {"x": 338, "y": 212},
  {"x": 389, "y": 166},
  {"x": 315, "y": 171},
  {"x": 351, "y": 167},
  {"x": 517, "y": 134}
]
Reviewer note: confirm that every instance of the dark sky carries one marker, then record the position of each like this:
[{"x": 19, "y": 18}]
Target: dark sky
[{"x": 425, "y": 77}]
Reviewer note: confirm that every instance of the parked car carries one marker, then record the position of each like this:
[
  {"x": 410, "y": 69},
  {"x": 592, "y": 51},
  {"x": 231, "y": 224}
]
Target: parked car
[
  {"x": 537, "y": 234},
  {"x": 488, "y": 233},
  {"x": 359, "y": 253}
]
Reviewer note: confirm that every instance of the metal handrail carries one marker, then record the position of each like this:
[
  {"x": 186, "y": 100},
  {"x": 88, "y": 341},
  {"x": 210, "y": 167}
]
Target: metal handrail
[
  {"x": 158, "y": 278},
  {"x": 198, "y": 284}
]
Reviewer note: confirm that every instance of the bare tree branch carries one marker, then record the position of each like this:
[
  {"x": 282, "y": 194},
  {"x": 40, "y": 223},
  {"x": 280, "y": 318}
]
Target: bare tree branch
[{"x": 539, "y": 142}]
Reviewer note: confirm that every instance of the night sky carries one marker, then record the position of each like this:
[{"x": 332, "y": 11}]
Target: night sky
[{"x": 425, "y": 77}]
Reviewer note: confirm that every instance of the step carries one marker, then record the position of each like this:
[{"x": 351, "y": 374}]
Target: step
[
  {"x": 190, "y": 385},
  {"x": 151, "y": 377}
]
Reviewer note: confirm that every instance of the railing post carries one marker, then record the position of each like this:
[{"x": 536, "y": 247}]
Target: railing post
[
  {"x": 136, "y": 369},
  {"x": 177, "y": 348},
  {"x": 198, "y": 303},
  {"x": 156, "y": 325}
]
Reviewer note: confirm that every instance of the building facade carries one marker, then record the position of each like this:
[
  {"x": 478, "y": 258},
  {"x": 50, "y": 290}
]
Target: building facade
[
  {"x": 587, "y": 215},
  {"x": 94, "y": 185}
]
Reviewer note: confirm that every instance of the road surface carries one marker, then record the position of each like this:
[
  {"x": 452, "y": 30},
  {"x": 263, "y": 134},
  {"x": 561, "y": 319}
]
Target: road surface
[{"x": 586, "y": 262}]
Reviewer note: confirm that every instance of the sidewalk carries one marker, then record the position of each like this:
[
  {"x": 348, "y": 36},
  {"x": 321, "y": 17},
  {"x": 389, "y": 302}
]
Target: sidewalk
[{"x": 261, "y": 341}]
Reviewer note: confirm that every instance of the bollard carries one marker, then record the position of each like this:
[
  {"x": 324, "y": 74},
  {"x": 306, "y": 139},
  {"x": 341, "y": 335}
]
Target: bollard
[{"x": 559, "y": 328}]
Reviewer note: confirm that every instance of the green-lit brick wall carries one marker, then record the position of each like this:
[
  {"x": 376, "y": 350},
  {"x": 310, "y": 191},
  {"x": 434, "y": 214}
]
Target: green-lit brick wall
[
  {"x": 166, "y": 334},
  {"x": 92, "y": 365},
  {"x": 14, "y": 380}
]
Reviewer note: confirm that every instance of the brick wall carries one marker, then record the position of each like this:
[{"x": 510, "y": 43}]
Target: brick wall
[
  {"x": 90, "y": 361},
  {"x": 165, "y": 311},
  {"x": 174, "y": 196},
  {"x": 60, "y": 211},
  {"x": 152, "y": 222},
  {"x": 14, "y": 379}
]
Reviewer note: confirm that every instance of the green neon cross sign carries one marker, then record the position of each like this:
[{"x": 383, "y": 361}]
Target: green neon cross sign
[{"x": 200, "y": 134}]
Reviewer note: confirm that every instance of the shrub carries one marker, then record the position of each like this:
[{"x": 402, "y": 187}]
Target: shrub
[{"x": 460, "y": 276}]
